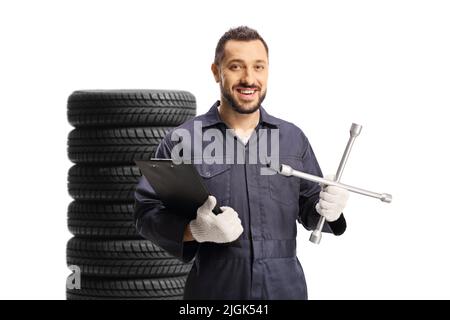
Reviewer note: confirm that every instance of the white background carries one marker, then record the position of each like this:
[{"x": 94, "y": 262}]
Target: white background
[{"x": 383, "y": 64}]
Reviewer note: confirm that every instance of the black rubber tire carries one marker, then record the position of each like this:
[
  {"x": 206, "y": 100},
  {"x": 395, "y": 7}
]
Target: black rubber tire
[
  {"x": 109, "y": 268},
  {"x": 115, "y": 249},
  {"x": 111, "y": 155},
  {"x": 137, "y": 289},
  {"x": 102, "y": 220},
  {"x": 99, "y": 229},
  {"x": 70, "y": 296},
  {"x": 114, "y": 146},
  {"x": 100, "y": 211},
  {"x": 104, "y": 174},
  {"x": 88, "y": 183},
  {"x": 123, "y": 259},
  {"x": 130, "y": 108},
  {"x": 118, "y": 192}
]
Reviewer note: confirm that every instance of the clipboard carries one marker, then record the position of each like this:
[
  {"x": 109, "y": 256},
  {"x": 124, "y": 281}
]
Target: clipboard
[{"x": 179, "y": 186}]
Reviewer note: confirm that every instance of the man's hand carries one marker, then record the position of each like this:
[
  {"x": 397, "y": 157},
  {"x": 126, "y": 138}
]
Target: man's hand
[
  {"x": 332, "y": 201},
  {"x": 222, "y": 228}
]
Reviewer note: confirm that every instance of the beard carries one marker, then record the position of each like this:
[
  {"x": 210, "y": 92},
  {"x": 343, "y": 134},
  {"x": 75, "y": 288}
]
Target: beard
[{"x": 236, "y": 106}]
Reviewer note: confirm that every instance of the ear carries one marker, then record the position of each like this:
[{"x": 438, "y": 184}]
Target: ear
[{"x": 215, "y": 71}]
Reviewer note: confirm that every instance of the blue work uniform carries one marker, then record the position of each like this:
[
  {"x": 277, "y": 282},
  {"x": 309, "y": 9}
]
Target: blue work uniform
[{"x": 265, "y": 266}]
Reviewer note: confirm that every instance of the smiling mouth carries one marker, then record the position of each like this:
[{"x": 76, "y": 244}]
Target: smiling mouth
[
  {"x": 246, "y": 90},
  {"x": 246, "y": 93}
]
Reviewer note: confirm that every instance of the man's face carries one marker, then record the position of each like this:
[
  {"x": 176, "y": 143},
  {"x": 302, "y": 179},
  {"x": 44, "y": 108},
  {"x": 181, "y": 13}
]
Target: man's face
[{"x": 243, "y": 74}]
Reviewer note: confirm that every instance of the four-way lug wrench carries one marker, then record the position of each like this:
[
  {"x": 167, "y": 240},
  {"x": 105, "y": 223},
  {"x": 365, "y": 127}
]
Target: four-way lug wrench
[{"x": 286, "y": 170}]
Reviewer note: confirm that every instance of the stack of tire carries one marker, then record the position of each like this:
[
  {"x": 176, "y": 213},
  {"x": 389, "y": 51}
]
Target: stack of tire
[{"x": 112, "y": 129}]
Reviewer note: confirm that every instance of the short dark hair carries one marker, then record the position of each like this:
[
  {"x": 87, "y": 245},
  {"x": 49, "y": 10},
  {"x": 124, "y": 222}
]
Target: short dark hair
[{"x": 242, "y": 33}]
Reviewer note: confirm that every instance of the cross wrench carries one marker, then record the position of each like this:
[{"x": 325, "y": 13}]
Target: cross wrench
[
  {"x": 286, "y": 170},
  {"x": 355, "y": 129}
]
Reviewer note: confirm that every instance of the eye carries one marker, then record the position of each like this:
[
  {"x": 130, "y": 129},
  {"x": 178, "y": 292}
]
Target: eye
[
  {"x": 235, "y": 67},
  {"x": 259, "y": 67}
]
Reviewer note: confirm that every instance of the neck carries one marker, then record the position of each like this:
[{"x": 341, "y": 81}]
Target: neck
[{"x": 241, "y": 123}]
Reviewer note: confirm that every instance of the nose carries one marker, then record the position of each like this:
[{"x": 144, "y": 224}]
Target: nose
[{"x": 248, "y": 77}]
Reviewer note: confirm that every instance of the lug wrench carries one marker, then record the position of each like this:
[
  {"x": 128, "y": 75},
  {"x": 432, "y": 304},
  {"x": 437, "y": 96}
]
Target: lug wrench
[
  {"x": 286, "y": 170},
  {"x": 355, "y": 130}
]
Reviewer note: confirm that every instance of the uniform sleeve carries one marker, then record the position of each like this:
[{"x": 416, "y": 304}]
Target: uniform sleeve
[
  {"x": 158, "y": 224},
  {"x": 309, "y": 196}
]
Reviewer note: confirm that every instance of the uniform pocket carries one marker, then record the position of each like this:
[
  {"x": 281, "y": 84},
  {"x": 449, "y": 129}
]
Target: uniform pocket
[
  {"x": 217, "y": 180},
  {"x": 286, "y": 190}
]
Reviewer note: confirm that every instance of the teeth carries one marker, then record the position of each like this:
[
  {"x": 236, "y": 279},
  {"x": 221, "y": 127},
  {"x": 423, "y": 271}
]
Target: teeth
[{"x": 247, "y": 91}]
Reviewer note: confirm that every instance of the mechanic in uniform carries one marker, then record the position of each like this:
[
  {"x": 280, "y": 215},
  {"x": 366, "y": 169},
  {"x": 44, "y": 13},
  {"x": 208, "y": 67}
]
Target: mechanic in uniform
[{"x": 260, "y": 210}]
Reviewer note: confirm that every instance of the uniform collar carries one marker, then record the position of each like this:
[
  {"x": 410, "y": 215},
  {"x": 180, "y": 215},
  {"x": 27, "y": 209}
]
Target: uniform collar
[{"x": 212, "y": 117}]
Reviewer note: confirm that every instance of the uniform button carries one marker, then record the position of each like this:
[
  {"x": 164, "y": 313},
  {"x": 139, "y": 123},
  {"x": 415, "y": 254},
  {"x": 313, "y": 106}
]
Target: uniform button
[{"x": 208, "y": 174}]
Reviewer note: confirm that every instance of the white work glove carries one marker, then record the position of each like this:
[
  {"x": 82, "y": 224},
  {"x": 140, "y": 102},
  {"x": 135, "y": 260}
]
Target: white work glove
[
  {"x": 332, "y": 201},
  {"x": 209, "y": 227}
]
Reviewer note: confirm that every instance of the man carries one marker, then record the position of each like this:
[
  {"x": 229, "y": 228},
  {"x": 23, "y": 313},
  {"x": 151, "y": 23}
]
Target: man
[{"x": 260, "y": 210}]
